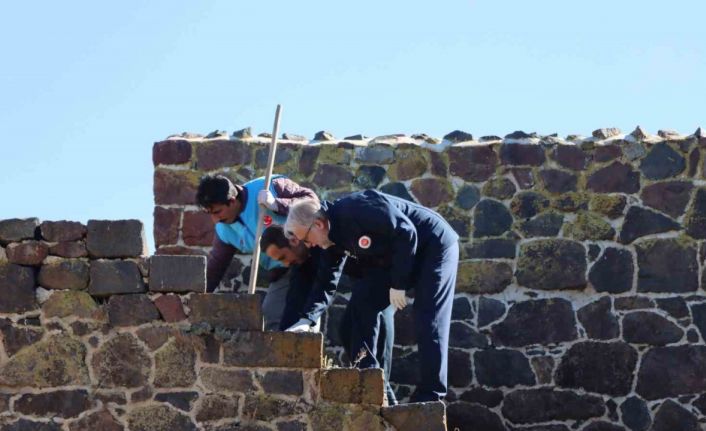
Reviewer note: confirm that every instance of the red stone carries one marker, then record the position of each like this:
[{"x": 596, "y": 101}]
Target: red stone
[
  {"x": 180, "y": 250},
  {"x": 70, "y": 249},
  {"x": 474, "y": 164},
  {"x": 58, "y": 231},
  {"x": 171, "y": 152},
  {"x": 166, "y": 225},
  {"x": 175, "y": 187},
  {"x": 606, "y": 153},
  {"x": 197, "y": 229},
  {"x": 170, "y": 308},
  {"x": 222, "y": 153},
  {"x": 522, "y": 154},
  {"x": 571, "y": 157},
  {"x": 27, "y": 253}
]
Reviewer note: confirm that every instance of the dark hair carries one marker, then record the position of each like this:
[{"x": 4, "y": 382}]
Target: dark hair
[
  {"x": 215, "y": 189},
  {"x": 273, "y": 235}
]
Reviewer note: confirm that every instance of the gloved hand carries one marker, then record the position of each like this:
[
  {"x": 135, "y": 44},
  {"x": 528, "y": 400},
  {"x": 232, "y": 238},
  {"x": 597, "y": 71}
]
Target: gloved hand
[
  {"x": 303, "y": 325},
  {"x": 398, "y": 298},
  {"x": 267, "y": 199}
]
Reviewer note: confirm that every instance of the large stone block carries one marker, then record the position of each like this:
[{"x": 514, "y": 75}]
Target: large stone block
[
  {"x": 635, "y": 414},
  {"x": 197, "y": 228},
  {"x": 332, "y": 176},
  {"x": 171, "y": 152},
  {"x": 546, "y": 404},
  {"x": 102, "y": 420},
  {"x": 174, "y": 364},
  {"x": 503, "y": 367},
  {"x": 598, "y": 320},
  {"x": 265, "y": 407},
  {"x": 491, "y": 218},
  {"x": 606, "y": 368},
  {"x": 229, "y": 311},
  {"x": 69, "y": 249},
  {"x": 662, "y": 162},
  {"x": 131, "y": 310},
  {"x": 472, "y": 163},
  {"x": 483, "y": 276},
  {"x": 16, "y": 288},
  {"x": 541, "y": 321},
  {"x": 670, "y": 197},
  {"x": 59, "y": 273},
  {"x": 614, "y": 178},
  {"x": 646, "y": 327},
  {"x": 159, "y": 418},
  {"x": 212, "y": 407},
  {"x": 175, "y": 187},
  {"x": 613, "y": 272},
  {"x": 671, "y": 417},
  {"x": 177, "y": 274},
  {"x": 557, "y": 181},
  {"x": 227, "y": 380},
  {"x": 432, "y": 192},
  {"x": 552, "y": 264},
  {"x": 522, "y": 154},
  {"x": 121, "y": 361},
  {"x": 667, "y": 265},
  {"x": 274, "y": 349},
  {"x": 64, "y": 404},
  {"x": 27, "y": 252},
  {"x": 14, "y": 230},
  {"x": 572, "y": 157},
  {"x": 430, "y": 416},
  {"x": 115, "y": 239},
  {"x": 114, "y": 277},
  {"x": 462, "y": 415},
  {"x": 57, "y": 360},
  {"x": 166, "y": 225},
  {"x": 170, "y": 307},
  {"x": 59, "y": 231},
  {"x": 283, "y": 382},
  {"x": 641, "y": 222},
  {"x": 672, "y": 371},
  {"x": 222, "y": 153},
  {"x": 70, "y": 303},
  {"x": 351, "y": 385}
]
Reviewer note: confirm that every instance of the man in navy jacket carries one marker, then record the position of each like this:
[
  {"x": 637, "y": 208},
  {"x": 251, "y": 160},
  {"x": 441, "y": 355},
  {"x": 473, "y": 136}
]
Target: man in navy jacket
[{"x": 401, "y": 246}]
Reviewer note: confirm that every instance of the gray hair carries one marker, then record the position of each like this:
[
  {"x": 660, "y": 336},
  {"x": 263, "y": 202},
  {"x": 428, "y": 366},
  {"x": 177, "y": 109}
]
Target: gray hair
[{"x": 303, "y": 214}]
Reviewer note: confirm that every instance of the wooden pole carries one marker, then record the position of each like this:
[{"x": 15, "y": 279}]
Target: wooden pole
[{"x": 255, "y": 262}]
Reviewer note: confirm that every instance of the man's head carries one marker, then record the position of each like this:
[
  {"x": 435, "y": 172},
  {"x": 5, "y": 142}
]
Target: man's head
[
  {"x": 218, "y": 196},
  {"x": 308, "y": 224},
  {"x": 278, "y": 247}
]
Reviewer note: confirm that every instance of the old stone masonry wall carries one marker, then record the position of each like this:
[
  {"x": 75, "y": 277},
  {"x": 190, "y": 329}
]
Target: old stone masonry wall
[
  {"x": 95, "y": 336},
  {"x": 580, "y": 302}
]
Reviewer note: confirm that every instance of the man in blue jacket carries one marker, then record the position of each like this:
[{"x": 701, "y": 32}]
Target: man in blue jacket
[
  {"x": 234, "y": 210},
  {"x": 405, "y": 246}
]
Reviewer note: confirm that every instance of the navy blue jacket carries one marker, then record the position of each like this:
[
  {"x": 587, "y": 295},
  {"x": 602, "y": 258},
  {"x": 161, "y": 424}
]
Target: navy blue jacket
[{"x": 379, "y": 230}]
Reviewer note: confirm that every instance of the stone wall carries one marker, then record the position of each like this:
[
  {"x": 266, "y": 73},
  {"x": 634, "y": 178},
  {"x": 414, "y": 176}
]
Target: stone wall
[
  {"x": 96, "y": 336},
  {"x": 579, "y": 302}
]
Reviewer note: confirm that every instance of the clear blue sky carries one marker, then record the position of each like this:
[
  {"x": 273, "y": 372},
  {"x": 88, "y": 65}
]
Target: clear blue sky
[{"x": 87, "y": 87}]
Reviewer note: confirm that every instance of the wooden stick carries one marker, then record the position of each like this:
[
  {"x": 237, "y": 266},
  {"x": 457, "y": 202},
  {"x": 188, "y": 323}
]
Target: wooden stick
[{"x": 255, "y": 262}]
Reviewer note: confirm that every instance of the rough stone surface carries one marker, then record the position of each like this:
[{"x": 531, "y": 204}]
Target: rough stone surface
[
  {"x": 64, "y": 274},
  {"x": 283, "y": 382},
  {"x": 646, "y": 327},
  {"x": 227, "y": 380},
  {"x": 58, "y": 231},
  {"x": 113, "y": 277},
  {"x": 669, "y": 197},
  {"x": 635, "y": 414},
  {"x": 672, "y": 371},
  {"x": 464, "y": 336},
  {"x": 613, "y": 272},
  {"x": 589, "y": 226},
  {"x": 27, "y": 252},
  {"x": 170, "y": 308},
  {"x": 528, "y": 204},
  {"x": 221, "y": 153},
  {"x": 171, "y": 152},
  {"x": 493, "y": 248},
  {"x": 166, "y": 225},
  {"x": 606, "y": 368},
  {"x": 55, "y": 361},
  {"x": 158, "y": 418},
  {"x": 64, "y": 404},
  {"x": 641, "y": 222},
  {"x": 498, "y": 368},
  {"x": 216, "y": 406},
  {"x": 557, "y": 181},
  {"x": 662, "y": 162},
  {"x": 69, "y": 249},
  {"x": 174, "y": 364},
  {"x": 499, "y": 188},
  {"x": 491, "y": 218},
  {"x": 121, "y": 362},
  {"x": 429, "y": 416},
  {"x": 698, "y": 311},
  {"x": 14, "y": 230},
  {"x": 472, "y": 163},
  {"x": 197, "y": 228},
  {"x": 177, "y": 274},
  {"x": 16, "y": 288},
  {"x": 695, "y": 221},
  {"x": 432, "y": 192},
  {"x": 598, "y": 320},
  {"x": 666, "y": 265},
  {"x": 131, "y": 310},
  {"x": 28, "y": 425},
  {"x": 489, "y": 311},
  {"x": 545, "y": 224},
  {"x": 115, "y": 239},
  {"x": 521, "y": 327},
  {"x": 228, "y": 311},
  {"x": 552, "y": 264},
  {"x": 351, "y": 385},
  {"x": 273, "y": 349},
  {"x": 463, "y": 415},
  {"x": 522, "y": 154},
  {"x": 541, "y": 405},
  {"x": 70, "y": 303},
  {"x": 614, "y": 178},
  {"x": 483, "y": 277},
  {"x": 671, "y": 416},
  {"x": 611, "y": 206}
]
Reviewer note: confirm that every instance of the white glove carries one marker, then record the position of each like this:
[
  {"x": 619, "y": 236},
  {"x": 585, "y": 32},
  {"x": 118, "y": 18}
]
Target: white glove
[
  {"x": 303, "y": 325},
  {"x": 267, "y": 199},
  {"x": 398, "y": 298}
]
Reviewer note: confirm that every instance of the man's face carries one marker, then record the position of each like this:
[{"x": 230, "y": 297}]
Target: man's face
[
  {"x": 315, "y": 235},
  {"x": 288, "y": 256},
  {"x": 224, "y": 213}
]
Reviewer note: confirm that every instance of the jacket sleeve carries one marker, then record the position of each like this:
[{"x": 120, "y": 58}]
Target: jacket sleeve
[
  {"x": 287, "y": 192},
  {"x": 219, "y": 259},
  {"x": 328, "y": 274}
]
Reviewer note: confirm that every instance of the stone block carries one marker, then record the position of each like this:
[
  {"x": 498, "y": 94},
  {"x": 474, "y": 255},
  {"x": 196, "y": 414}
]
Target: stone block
[
  {"x": 228, "y": 311},
  {"x": 114, "y": 277},
  {"x": 547, "y": 404},
  {"x": 606, "y": 368},
  {"x": 102, "y": 420},
  {"x": 222, "y": 153},
  {"x": 174, "y": 364},
  {"x": 59, "y": 231},
  {"x": 159, "y": 418},
  {"x": 64, "y": 404},
  {"x": 463, "y": 415},
  {"x": 57, "y": 273},
  {"x": 170, "y": 307},
  {"x": 274, "y": 349},
  {"x": 197, "y": 228},
  {"x": 16, "y": 288},
  {"x": 522, "y": 154},
  {"x": 472, "y": 163},
  {"x": 131, "y": 310},
  {"x": 68, "y": 303},
  {"x": 672, "y": 371},
  {"x": 27, "y": 252},
  {"x": 177, "y": 274},
  {"x": 166, "y": 226},
  {"x": 351, "y": 385},
  {"x": 552, "y": 264},
  {"x": 227, "y": 380},
  {"x": 430, "y": 416},
  {"x": 646, "y": 327},
  {"x": 14, "y": 337},
  {"x": 14, "y": 230},
  {"x": 181, "y": 400},
  {"x": 503, "y": 367},
  {"x": 541, "y": 321},
  {"x": 69, "y": 249},
  {"x": 214, "y": 407},
  {"x": 121, "y": 362},
  {"x": 171, "y": 152},
  {"x": 115, "y": 239},
  {"x": 283, "y": 382}
]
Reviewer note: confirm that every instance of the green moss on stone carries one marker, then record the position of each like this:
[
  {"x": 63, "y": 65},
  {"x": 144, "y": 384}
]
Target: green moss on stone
[
  {"x": 66, "y": 303},
  {"x": 589, "y": 226}
]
